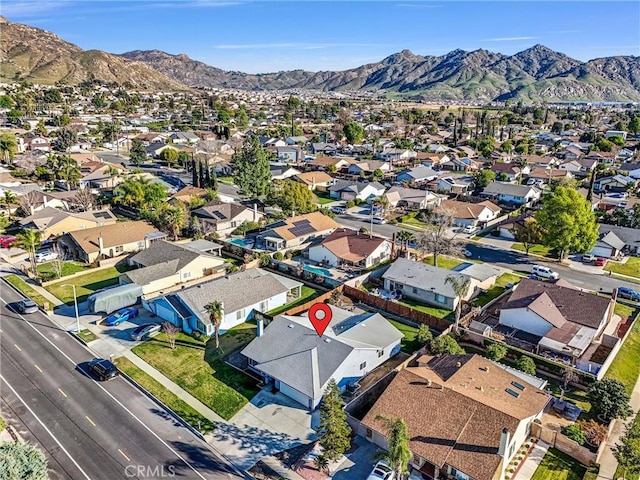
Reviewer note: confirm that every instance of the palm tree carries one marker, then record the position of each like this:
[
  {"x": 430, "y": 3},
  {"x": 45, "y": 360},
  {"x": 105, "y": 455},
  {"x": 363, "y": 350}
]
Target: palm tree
[
  {"x": 114, "y": 173},
  {"x": 8, "y": 146},
  {"x": 9, "y": 198},
  {"x": 215, "y": 311},
  {"x": 30, "y": 239},
  {"x": 460, "y": 285},
  {"x": 398, "y": 453},
  {"x": 405, "y": 237},
  {"x": 175, "y": 219}
]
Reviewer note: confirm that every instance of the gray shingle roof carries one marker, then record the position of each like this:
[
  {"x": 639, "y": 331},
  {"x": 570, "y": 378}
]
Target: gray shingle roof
[
  {"x": 500, "y": 188},
  {"x": 163, "y": 251},
  {"x": 146, "y": 275},
  {"x": 421, "y": 275}
]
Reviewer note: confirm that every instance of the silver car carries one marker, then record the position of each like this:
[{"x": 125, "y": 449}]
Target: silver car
[
  {"x": 144, "y": 330},
  {"x": 26, "y": 306}
]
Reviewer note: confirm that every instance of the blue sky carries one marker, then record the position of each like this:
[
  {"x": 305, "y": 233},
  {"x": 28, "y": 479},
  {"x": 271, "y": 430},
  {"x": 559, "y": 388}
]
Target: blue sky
[{"x": 268, "y": 36}]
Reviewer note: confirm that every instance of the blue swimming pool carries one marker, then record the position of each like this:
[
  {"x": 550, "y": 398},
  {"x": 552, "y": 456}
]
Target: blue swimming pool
[
  {"x": 317, "y": 270},
  {"x": 241, "y": 242}
]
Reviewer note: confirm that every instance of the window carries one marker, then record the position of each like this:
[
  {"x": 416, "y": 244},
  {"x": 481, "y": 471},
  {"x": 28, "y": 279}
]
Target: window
[
  {"x": 119, "y": 248},
  {"x": 459, "y": 475},
  {"x": 234, "y": 224},
  {"x": 186, "y": 275},
  {"x": 201, "y": 326},
  {"x": 369, "y": 433},
  {"x": 440, "y": 298},
  {"x": 141, "y": 244},
  {"x": 415, "y": 290},
  {"x": 363, "y": 365},
  {"x": 263, "y": 306},
  {"x": 380, "y": 353},
  {"x": 240, "y": 314}
]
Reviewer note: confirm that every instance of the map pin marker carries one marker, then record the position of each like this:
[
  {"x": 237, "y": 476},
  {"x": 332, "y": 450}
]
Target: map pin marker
[{"x": 320, "y": 315}]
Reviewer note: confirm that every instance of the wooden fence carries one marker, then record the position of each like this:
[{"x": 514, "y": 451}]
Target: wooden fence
[{"x": 307, "y": 305}]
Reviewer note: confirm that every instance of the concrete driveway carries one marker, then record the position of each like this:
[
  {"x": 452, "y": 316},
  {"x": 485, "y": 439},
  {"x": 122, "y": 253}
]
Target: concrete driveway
[
  {"x": 269, "y": 424},
  {"x": 359, "y": 463}
]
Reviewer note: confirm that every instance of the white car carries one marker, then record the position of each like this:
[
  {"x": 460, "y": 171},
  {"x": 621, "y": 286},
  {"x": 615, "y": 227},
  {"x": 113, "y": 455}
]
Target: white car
[
  {"x": 47, "y": 256},
  {"x": 382, "y": 471},
  {"x": 469, "y": 229},
  {"x": 378, "y": 220},
  {"x": 339, "y": 210},
  {"x": 544, "y": 272}
]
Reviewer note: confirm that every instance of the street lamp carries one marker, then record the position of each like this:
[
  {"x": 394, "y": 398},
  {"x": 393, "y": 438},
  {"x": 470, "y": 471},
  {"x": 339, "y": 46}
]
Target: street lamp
[{"x": 75, "y": 303}]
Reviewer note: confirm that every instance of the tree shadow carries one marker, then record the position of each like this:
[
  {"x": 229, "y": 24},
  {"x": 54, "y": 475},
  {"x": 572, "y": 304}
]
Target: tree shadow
[{"x": 201, "y": 459}]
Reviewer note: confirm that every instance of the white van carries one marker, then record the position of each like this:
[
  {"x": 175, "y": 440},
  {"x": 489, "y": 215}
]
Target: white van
[{"x": 544, "y": 272}]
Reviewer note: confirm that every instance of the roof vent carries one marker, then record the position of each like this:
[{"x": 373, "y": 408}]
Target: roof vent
[
  {"x": 428, "y": 382},
  {"x": 290, "y": 325},
  {"x": 327, "y": 340},
  {"x": 485, "y": 368},
  {"x": 458, "y": 364},
  {"x": 481, "y": 388}
]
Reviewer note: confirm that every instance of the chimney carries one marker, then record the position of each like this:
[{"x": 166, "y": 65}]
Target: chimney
[
  {"x": 100, "y": 244},
  {"x": 255, "y": 212},
  {"x": 505, "y": 437},
  {"x": 260, "y": 327}
]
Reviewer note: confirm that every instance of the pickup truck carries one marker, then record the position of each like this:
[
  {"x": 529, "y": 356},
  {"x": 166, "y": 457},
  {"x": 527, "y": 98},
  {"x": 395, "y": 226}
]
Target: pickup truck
[{"x": 588, "y": 258}]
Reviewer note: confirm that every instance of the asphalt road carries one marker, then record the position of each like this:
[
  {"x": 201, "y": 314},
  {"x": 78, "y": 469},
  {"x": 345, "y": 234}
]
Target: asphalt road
[
  {"x": 89, "y": 429},
  {"x": 503, "y": 258}
]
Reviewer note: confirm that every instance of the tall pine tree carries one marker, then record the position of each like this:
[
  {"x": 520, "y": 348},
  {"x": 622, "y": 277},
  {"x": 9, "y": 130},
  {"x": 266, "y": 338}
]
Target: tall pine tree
[
  {"x": 334, "y": 432},
  {"x": 251, "y": 168}
]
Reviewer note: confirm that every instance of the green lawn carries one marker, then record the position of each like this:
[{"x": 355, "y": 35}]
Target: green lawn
[
  {"x": 444, "y": 261},
  {"x": 625, "y": 311},
  {"x": 26, "y": 289},
  {"x": 307, "y": 294},
  {"x": 408, "y": 344},
  {"x": 626, "y": 366},
  {"x": 497, "y": 289},
  {"x": 323, "y": 198},
  {"x": 170, "y": 399},
  {"x": 631, "y": 267},
  {"x": 47, "y": 271},
  {"x": 557, "y": 466},
  {"x": 87, "y": 335},
  {"x": 199, "y": 369},
  {"x": 410, "y": 219},
  {"x": 534, "y": 250},
  {"x": 86, "y": 284},
  {"x": 435, "y": 311},
  {"x": 225, "y": 179}
]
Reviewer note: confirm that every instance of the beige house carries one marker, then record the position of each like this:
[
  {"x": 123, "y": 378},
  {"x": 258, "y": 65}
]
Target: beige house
[
  {"x": 109, "y": 241},
  {"x": 223, "y": 218},
  {"x": 295, "y": 231},
  {"x": 317, "y": 180},
  {"x": 165, "y": 264},
  {"x": 52, "y": 222}
]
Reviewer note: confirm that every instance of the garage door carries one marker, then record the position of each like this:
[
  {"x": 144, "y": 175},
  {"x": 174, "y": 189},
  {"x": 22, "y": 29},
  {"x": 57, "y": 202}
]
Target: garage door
[
  {"x": 602, "y": 251},
  {"x": 165, "y": 313},
  {"x": 294, "y": 394}
]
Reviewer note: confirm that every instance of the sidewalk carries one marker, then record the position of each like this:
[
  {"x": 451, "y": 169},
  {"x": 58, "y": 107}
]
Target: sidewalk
[
  {"x": 531, "y": 463},
  {"x": 608, "y": 463}
]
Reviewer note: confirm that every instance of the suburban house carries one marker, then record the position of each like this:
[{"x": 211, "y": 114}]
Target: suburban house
[
  {"x": 557, "y": 316},
  {"x": 549, "y": 174},
  {"x": 187, "y": 194},
  {"x": 461, "y": 165},
  {"x": 282, "y": 172},
  {"x": 425, "y": 283},
  {"x": 52, "y": 222},
  {"x": 289, "y": 154},
  {"x": 397, "y": 155},
  {"x": 411, "y": 198},
  {"x": 223, "y": 218},
  {"x": 451, "y": 185},
  {"x": 513, "y": 172},
  {"x": 631, "y": 169},
  {"x": 368, "y": 167},
  {"x": 512, "y": 194},
  {"x": 109, "y": 241},
  {"x": 630, "y": 237},
  {"x": 324, "y": 148},
  {"x": 240, "y": 294},
  {"x": 315, "y": 180},
  {"x": 465, "y": 213},
  {"x": 417, "y": 175},
  {"x": 165, "y": 264},
  {"x": 615, "y": 183},
  {"x": 466, "y": 415},
  {"x": 349, "y": 190},
  {"x": 345, "y": 247},
  {"x": 293, "y": 232},
  {"x": 183, "y": 137},
  {"x": 484, "y": 275},
  {"x": 101, "y": 177},
  {"x": 608, "y": 245},
  {"x": 324, "y": 163},
  {"x": 299, "y": 363}
]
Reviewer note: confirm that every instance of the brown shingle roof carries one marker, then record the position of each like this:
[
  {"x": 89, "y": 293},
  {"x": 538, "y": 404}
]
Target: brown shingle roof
[
  {"x": 466, "y": 209},
  {"x": 317, "y": 220},
  {"x": 351, "y": 245},
  {"x": 119, "y": 233},
  {"x": 309, "y": 178}
]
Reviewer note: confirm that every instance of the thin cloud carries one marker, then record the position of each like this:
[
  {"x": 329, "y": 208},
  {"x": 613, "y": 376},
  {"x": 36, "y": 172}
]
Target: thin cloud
[
  {"x": 508, "y": 39},
  {"x": 300, "y": 46},
  {"x": 27, "y": 9}
]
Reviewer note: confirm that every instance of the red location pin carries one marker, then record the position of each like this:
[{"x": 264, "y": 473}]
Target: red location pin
[{"x": 320, "y": 315}]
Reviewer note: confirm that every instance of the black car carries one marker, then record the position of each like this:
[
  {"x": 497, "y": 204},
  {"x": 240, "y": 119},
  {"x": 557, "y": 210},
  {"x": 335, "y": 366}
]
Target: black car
[{"x": 103, "y": 369}]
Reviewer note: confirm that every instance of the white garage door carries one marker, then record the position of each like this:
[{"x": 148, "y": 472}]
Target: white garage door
[
  {"x": 602, "y": 252},
  {"x": 294, "y": 394}
]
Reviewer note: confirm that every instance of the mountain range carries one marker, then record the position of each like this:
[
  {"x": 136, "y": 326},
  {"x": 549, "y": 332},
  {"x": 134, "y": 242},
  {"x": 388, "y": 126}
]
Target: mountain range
[{"x": 535, "y": 74}]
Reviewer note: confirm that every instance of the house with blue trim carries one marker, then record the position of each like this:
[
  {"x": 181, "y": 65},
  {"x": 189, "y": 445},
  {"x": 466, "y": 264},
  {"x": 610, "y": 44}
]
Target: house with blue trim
[
  {"x": 289, "y": 354},
  {"x": 241, "y": 294}
]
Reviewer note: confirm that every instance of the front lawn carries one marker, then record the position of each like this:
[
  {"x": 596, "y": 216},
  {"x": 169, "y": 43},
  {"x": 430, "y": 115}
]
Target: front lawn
[
  {"x": 322, "y": 198},
  {"x": 631, "y": 267},
  {"x": 307, "y": 294},
  {"x": 626, "y": 366},
  {"x": 199, "y": 368},
  {"x": 444, "y": 261},
  {"x": 170, "y": 399},
  {"x": 497, "y": 289},
  {"x": 48, "y": 271},
  {"x": 557, "y": 466},
  {"x": 410, "y": 219},
  {"x": 435, "y": 311},
  {"x": 534, "y": 250},
  {"x": 26, "y": 289},
  {"x": 87, "y": 335},
  {"x": 86, "y": 284},
  {"x": 409, "y": 343}
]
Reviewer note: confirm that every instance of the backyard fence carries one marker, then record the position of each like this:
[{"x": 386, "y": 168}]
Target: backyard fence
[{"x": 307, "y": 305}]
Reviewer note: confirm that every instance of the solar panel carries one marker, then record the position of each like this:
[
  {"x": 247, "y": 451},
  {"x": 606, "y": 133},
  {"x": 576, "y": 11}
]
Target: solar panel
[
  {"x": 512, "y": 393},
  {"x": 219, "y": 214},
  {"x": 101, "y": 215},
  {"x": 302, "y": 230},
  {"x": 519, "y": 386}
]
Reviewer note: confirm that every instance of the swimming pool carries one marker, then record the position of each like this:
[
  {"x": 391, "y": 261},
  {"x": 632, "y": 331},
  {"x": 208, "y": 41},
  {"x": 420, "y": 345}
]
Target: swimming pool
[
  {"x": 317, "y": 270},
  {"x": 241, "y": 242}
]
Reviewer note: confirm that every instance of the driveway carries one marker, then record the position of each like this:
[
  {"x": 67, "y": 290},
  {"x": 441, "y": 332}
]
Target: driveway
[
  {"x": 359, "y": 463},
  {"x": 269, "y": 424}
]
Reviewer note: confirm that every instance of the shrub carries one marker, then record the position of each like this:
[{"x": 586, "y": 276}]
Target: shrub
[
  {"x": 526, "y": 364},
  {"x": 278, "y": 256},
  {"x": 350, "y": 204},
  {"x": 496, "y": 351},
  {"x": 424, "y": 335},
  {"x": 595, "y": 433},
  {"x": 446, "y": 344},
  {"x": 574, "y": 433},
  {"x": 199, "y": 336}
]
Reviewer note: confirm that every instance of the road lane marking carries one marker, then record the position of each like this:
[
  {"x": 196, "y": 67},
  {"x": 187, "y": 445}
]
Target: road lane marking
[
  {"x": 45, "y": 427},
  {"x": 63, "y": 394},
  {"x": 19, "y": 349},
  {"x": 37, "y": 368},
  {"x": 124, "y": 455},
  {"x": 169, "y": 447},
  {"x": 90, "y": 421}
]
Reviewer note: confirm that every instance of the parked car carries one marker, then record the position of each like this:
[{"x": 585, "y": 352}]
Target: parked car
[
  {"x": 103, "y": 369},
  {"x": 338, "y": 209},
  {"x": 26, "y": 306},
  {"x": 588, "y": 257},
  {"x": 7, "y": 241},
  {"x": 45, "y": 256},
  {"x": 382, "y": 471},
  {"x": 600, "y": 262},
  {"x": 378, "y": 220},
  {"x": 544, "y": 272},
  {"x": 144, "y": 331},
  {"x": 120, "y": 316},
  {"x": 626, "y": 292},
  {"x": 469, "y": 229}
]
